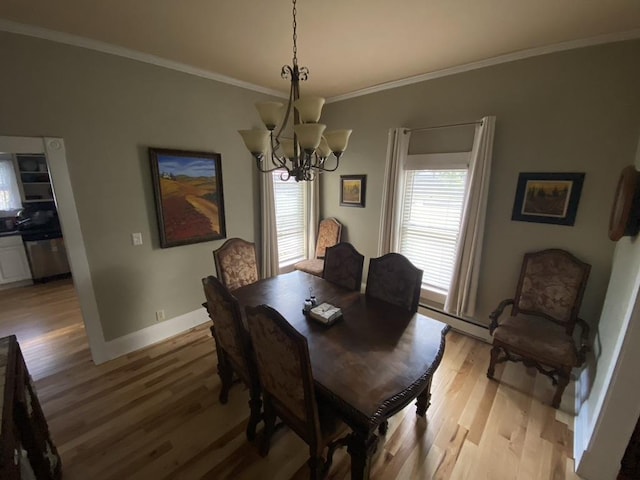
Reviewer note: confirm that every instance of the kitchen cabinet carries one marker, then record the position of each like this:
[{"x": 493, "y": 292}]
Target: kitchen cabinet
[
  {"x": 14, "y": 266},
  {"x": 26, "y": 449},
  {"x": 33, "y": 178}
]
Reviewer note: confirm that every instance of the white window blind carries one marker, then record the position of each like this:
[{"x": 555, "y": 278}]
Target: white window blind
[
  {"x": 9, "y": 192},
  {"x": 290, "y": 219},
  {"x": 431, "y": 213}
]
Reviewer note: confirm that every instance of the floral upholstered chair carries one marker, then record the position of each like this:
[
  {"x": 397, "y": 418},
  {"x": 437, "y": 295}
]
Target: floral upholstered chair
[
  {"x": 288, "y": 390},
  {"x": 329, "y": 233},
  {"x": 233, "y": 347},
  {"x": 236, "y": 263},
  {"x": 343, "y": 266},
  {"x": 544, "y": 312},
  {"x": 394, "y": 279}
]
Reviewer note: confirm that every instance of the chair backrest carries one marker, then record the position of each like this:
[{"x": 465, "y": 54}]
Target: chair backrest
[
  {"x": 551, "y": 285},
  {"x": 284, "y": 368},
  {"x": 394, "y": 279},
  {"x": 236, "y": 263},
  {"x": 233, "y": 338},
  {"x": 343, "y": 266},
  {"x": 329, "y": 233}
]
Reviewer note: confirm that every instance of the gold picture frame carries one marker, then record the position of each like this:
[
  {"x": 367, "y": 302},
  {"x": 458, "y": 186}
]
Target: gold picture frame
[{"x": 353, "y": 190}]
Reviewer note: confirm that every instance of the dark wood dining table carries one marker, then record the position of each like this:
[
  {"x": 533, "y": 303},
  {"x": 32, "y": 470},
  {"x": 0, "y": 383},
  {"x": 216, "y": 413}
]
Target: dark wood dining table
[{"x": 368, "y": 365}]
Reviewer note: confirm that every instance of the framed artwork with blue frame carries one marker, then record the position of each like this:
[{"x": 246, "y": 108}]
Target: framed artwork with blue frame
[{"x": 547, "y": 197}]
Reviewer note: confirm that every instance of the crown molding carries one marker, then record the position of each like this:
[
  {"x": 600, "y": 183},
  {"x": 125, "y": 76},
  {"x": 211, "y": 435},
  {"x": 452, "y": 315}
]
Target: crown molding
[
  {"x": 509, "y": 57},
  {"x": 83, "y": 42}
]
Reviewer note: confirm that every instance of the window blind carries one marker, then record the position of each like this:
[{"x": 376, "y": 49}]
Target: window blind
[
  {"x": 290, "y": 219},
  {"x": 432, "y": 209}
]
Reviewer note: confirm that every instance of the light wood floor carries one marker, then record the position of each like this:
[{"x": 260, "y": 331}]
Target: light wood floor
[{"x": 155, "y": 414}]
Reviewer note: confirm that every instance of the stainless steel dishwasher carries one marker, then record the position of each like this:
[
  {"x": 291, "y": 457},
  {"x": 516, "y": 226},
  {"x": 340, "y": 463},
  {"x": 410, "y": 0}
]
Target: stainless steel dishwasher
[{"x": 47, "y": 255}]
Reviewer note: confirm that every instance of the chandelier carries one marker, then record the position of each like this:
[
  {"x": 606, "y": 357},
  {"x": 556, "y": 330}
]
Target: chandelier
[{"x": 306, "y": 154}]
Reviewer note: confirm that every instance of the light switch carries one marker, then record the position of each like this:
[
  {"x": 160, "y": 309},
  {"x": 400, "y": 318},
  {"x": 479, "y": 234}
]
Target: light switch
[{"x": 136, "y": 239}]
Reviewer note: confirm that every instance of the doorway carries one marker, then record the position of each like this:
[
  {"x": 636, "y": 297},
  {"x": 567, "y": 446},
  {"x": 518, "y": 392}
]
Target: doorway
[{"x": 55, "y": 153}]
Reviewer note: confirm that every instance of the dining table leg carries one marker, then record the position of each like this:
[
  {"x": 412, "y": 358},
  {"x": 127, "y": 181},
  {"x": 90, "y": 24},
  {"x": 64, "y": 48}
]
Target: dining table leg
[
  {"x": 361, "y": 447},
  {"x": 424, "y": 400}
]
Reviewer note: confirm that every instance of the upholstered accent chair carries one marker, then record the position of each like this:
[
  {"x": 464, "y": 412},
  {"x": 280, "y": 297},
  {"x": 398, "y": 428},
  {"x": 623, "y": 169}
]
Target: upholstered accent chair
[
  {"x": 233, "y": 347},
  {"x": 343, "y": 266},
  {"x": 544, "y": 312},
  {"x": 236, "y": 263},
  {"x": 329, "y": 233},
  {"x": 288, "y": 390},
  {"x": 394, "y": 279}
]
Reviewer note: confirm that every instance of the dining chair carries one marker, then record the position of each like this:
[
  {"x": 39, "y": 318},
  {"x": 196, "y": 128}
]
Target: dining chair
[
  {"x": 288, "y": 392},
  {"x": 329, "y": 233},
  {"x": 394, "y": 279},
  {"x": 233, "y": 347},
  {"x": 343, "y": 266},
  {"x": 544, "y": 313},
  {"x": 236, "y": 263}
]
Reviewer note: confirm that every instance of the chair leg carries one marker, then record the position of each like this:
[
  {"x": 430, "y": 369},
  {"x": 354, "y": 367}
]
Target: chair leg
[
  {"x": 255, "y": 405},
  {"x": 316, "y": 465},
  {"x": 495, "y": 353},
  {"x": 563, "y": 381},
  {"x": 226, "y": 378},
  {"x": 269, "y": 426}
]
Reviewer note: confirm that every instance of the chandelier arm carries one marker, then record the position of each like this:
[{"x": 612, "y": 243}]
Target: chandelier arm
[
  {"x": 322, "y": 168},
  {"x": 286, "y": 70},
  {"x": 281, "y": 162},
  {"x": 287, "y": 172},
  {"x": 259, "y": 160}
]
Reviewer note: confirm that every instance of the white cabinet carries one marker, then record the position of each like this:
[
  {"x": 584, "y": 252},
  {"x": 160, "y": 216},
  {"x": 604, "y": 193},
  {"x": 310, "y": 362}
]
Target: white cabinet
[{"x": 14, "y": 266}]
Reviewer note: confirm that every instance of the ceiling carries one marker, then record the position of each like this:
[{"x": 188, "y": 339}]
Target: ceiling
[{"x": 348, "y": 45}]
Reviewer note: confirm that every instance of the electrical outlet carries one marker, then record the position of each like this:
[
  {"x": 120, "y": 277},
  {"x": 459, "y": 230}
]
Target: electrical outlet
[
  {"x": 136, "y": 239},
  {"x": 159, "y": 315}
]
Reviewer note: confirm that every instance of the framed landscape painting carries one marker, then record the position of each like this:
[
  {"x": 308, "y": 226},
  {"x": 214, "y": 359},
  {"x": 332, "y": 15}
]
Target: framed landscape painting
[
  {"x": 353, "y": 189},
  {"x": 548, "y": 197},
  {"x": 189, "y": 198}
]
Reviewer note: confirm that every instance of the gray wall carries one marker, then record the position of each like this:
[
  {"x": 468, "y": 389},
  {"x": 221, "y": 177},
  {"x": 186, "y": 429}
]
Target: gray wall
[
  {"x": 570, "y": 111},
  {"x": 110, "y": 110},
  {"x": 574, "y": 111}
]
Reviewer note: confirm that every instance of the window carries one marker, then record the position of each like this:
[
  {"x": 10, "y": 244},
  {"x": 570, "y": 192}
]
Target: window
[
  {"x": 290, "y": 203},
  {"x": 9, "y": 192},
  {"x": 432, "y": 201}
]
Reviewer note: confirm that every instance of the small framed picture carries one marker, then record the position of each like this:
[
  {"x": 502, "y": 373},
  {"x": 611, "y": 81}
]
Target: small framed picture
[
  {"x": 188, "y": 193},
  {"x": 547, "y": 197},
  {"x": 353, "y": 189}
]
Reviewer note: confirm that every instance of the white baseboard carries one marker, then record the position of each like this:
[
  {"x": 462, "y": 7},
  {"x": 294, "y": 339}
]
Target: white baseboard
[
  {"x": 155, "y": 333},
  {"x": 579, "y": 435},
  {"x": 19, "y": 283},
  {"x": 467, "y": 328}
]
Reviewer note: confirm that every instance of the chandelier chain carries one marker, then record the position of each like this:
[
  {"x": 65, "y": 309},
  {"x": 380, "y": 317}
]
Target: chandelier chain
[{"x": 295, "y": 35}]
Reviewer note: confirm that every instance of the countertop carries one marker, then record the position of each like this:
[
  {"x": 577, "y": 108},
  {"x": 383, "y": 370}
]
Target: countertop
[{"x": 9, "y": 233}]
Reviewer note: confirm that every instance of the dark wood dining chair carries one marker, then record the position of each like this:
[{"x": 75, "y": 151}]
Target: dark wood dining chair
[
  {"x": 394, "y": 279},
  {"x": 233, "y": 347},
  {"x": 288, "y": 390},
  {"x": 544, "y": 312},
  {"x": 343, "y": 266},
  {"x": 329, "y": 233},
  {"x": 236, "y": 263}
]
